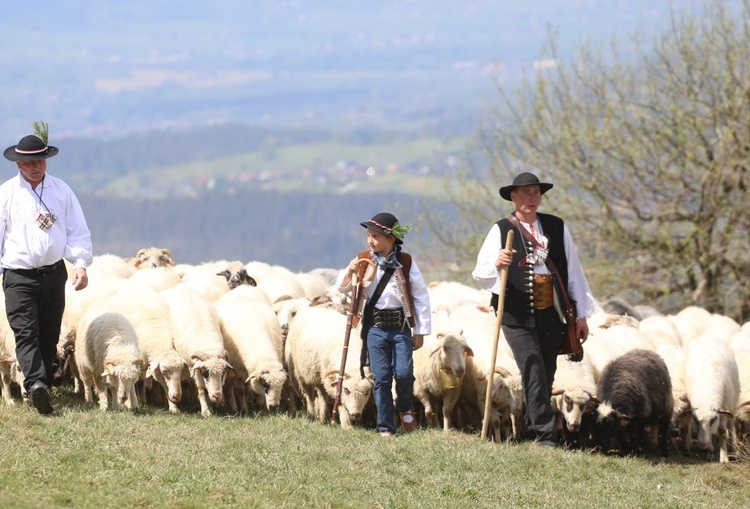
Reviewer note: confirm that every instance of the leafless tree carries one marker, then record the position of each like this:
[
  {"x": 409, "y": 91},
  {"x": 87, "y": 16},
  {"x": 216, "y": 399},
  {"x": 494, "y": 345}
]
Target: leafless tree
[{"x": 649, "y": 151}]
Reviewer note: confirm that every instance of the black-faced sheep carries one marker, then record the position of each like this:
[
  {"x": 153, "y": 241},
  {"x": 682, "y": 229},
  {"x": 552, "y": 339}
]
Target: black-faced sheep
[{"x": 635, "y": 391}]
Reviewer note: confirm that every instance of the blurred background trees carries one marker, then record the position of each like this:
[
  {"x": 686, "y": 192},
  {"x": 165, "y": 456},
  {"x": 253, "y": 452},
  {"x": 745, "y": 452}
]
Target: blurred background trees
[{"x": 648, "y": 147}]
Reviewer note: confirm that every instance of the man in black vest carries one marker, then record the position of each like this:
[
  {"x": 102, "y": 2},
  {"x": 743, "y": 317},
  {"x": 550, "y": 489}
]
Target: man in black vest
[{"x": 532, "y": 314}]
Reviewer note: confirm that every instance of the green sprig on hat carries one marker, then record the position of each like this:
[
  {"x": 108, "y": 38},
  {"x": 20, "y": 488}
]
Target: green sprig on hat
[
  {"x": 399, "y": 231},
  {"x": 41, "y": 129}
]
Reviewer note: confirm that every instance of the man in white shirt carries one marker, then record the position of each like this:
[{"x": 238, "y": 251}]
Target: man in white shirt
[
  {"x": 531, "y": 323},
  {"x": 41, "y": 223}
]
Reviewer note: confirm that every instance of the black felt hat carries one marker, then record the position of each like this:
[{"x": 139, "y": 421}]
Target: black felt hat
[
  {"x": 30, "y": 148},
  {"x": 387, "y": 224},
  {"x": 524, "y": 179}
]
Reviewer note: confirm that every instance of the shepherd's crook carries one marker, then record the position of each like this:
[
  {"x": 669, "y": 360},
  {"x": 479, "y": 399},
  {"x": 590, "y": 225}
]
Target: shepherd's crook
[
  {"x": 356, "y": 289},
  {"x": 498, "y": 324}
]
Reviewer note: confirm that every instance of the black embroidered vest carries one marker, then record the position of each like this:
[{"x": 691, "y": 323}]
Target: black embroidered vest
[{"x": 518, "y": 309}]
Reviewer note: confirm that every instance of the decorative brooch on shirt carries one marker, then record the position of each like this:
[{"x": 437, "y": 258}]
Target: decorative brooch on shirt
[
  {"x": 538, "y": 255},
  {"x": 44, "y": 220}
]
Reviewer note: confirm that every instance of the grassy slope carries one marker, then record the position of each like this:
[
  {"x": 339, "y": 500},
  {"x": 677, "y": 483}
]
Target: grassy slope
[{"x": 87, "y": 458}]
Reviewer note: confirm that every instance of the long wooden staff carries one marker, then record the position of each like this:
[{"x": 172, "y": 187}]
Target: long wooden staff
[
  {"x": 498, "y": 324},
  {"x": 356, "y": 295}
]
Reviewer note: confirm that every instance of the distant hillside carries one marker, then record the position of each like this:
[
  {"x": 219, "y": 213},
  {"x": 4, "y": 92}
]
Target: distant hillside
[{"x": 301, "y": 231}]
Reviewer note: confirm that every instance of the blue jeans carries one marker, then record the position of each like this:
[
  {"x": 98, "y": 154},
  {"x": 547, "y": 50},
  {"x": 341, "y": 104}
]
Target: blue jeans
[{"x": 391, "y": 357}]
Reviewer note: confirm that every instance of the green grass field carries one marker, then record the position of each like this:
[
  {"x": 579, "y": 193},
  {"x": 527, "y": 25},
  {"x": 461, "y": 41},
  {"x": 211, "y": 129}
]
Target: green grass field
[{"x": 84, "y": 458}]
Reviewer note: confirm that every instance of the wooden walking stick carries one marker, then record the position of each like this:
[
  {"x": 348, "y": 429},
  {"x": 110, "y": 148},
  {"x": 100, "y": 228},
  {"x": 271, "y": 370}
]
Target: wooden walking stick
[
  {"x": 498, "y": 324},
  {"x": 355, "y": 298}
]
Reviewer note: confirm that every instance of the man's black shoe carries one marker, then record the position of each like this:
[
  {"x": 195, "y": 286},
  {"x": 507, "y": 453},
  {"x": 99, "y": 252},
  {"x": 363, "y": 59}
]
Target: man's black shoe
[{"x": 39, "y": 398}]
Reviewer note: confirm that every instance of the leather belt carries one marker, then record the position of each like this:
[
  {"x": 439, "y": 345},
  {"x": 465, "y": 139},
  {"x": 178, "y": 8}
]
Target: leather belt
[
  {"x": 47, "y": 269},
  {"x": 543, "y": 297}
]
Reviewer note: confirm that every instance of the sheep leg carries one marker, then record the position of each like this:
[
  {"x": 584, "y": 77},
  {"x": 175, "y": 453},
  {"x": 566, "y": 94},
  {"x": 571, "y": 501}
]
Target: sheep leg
[
  {"x": 203, "y": 399},
  {"x": 101, "y": 392},
  {"x": 450, "y": 398},
  {"x": 5, "y": 375}
]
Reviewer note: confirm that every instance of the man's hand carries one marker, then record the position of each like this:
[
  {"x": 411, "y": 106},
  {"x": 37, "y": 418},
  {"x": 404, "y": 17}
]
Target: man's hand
[
  {"x": 505, "y": 258},
  {"x": 80, "y": 279},
  {"x": 582, "y": 329},
  {"x": 418, "y": 340}
]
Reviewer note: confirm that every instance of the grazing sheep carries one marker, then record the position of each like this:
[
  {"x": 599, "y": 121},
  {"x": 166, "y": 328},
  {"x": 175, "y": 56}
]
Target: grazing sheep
[
  {"x": 661, "y": 330},
  {"x": 7, "y": 354},
  {"x": 107, "y": 356},
  {"x": 275, "y": 281},
  {"x": 252, "y": 337},
  {"x": 742, "y": 415},
  {"x": 148, "y": 313},
  {"x": 675, "y": 358},
  {"x": 448, "y": 295},
  {"x": 439, "y": 375},
  {"x": 604, "y": 345},
  {"x": 152, "y": 257},
  {"x": 157, "y": 279},
  {"x": 313, "y": 355},
  {"x": 197, "y": 338},
  {"x": 713, "y": 388},
  {"x": 690, "y": 322},
  {"x": 634, "y": 390},
  {"x": 572, "y": 395}
]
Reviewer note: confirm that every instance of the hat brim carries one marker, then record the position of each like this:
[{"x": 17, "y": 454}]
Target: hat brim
[
  {"x": 367, "y": 224},
  {"x": 506, "y": 190},
  {"x": 11, "y": 154}
]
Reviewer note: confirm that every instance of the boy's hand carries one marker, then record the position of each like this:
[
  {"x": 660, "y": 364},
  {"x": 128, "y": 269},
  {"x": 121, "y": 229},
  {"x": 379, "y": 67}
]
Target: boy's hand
[{"x": 418, "y": 340}]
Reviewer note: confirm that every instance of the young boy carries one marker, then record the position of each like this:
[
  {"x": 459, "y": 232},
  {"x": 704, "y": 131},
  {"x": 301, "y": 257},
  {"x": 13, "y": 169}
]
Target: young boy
[{"x": 395, "y": 301}]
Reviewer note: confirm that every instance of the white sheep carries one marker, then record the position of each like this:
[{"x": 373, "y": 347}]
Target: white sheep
[
  {"x": 605, "y": 345},
  {"x": 742, "y": 415},
  {"x": 691, "y": 322},
  {"x": 197, "y": 338},
  {"x": 313, "y": 284},
  {"x": 275, "y": 281},
  {"x": 675, "y": 358},
  {"x": 572, "y": 395},
  {"x": 107, "y": 356},
  {"x": 7, "y": 354},
  {"x": 661, "y": 330},
  {"x": 439, "y": 368},
  {"x": 313, "y": 355},
  {"x": 448, "y": 295},
  {"x": 713, "y": 388},
  {"x": 252, "y": 337},
  {"x": 149, "y": 314},
  {"x": 157, "y": 279},
  {"x": 152, "y": 257}
]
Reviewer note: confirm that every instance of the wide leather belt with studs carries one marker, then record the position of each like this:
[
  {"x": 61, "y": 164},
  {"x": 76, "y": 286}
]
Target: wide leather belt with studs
[{"x": 543, "y": 291}]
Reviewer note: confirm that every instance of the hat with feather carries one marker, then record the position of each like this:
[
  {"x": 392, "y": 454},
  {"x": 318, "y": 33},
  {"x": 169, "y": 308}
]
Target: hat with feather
[
  {"x": 32, "y": 147},
  {"x": 387, "y": 224}
]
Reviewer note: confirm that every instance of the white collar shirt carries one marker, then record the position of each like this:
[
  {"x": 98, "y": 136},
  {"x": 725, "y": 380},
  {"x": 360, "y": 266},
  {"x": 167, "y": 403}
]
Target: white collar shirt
[{"x": 24, "y": 244}]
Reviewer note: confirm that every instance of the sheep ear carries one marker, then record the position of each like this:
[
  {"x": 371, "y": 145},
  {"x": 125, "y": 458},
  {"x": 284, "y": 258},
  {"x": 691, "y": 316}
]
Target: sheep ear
[
  {"x": 151, "y": 368},
  {"x": 497, "y": 384},
  {"x": 170, "y": 259},
  {"x": 440, "y": 335},
  {"x": 224, "y": 273},
  {"x": 557, "y": 392},
  {"x": 435, "y": 350},
  {"x": 469, "y": 352},
  {"x": 251, "y": 281},
  {"x": 624, "y": 418},
  {"x": 7, "y": 360},
  {"x": 332, "y": 378},
  {"x": 726, "y": 413}
]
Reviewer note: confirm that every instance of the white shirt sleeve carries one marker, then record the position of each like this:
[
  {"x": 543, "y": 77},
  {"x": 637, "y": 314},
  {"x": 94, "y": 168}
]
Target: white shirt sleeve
[
  {"x": 578, "y": 285},
  {"x": 485, "y": 272},
  {"x": 421, "y": 298}
]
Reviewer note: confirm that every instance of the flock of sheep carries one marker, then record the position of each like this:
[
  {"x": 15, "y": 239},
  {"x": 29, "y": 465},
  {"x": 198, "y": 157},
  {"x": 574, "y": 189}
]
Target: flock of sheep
[{"x": 237, "y": 337}]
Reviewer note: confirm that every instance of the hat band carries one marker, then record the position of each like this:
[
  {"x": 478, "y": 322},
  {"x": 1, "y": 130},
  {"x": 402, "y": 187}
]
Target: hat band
[
  {"x": 380, "y": 225},
  {"x": 19, "y": 151}
]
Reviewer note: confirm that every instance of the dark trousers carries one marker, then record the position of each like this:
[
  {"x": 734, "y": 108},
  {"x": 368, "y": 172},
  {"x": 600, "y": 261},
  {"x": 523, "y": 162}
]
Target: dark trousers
[
  {"x": 535, "y": 350},
  {"x": 34, "y": 303}
]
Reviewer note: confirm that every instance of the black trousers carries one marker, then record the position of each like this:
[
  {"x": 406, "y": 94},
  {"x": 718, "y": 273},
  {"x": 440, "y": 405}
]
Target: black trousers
[
  {"x": 535, "y": 350},
  {"x": 34, "y": 303}
]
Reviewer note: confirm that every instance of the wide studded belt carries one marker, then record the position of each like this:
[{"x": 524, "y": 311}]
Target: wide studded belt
[
  {"x": 543, "y": 291},
  {"x": 388, "y": 319}
]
